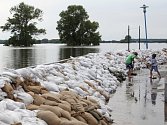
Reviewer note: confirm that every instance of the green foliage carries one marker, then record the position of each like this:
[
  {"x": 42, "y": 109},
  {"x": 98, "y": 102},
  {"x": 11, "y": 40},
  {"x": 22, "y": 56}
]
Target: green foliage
[
  {"x": 23, "y": 25},
  {"x": 127, "y": 38},
  {"x": 75, "y": 29}
]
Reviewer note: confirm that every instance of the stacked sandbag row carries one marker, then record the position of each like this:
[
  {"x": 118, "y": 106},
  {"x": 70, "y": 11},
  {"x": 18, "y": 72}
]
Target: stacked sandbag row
[
  {"x": 69, "y": 104},
  {"x": 67, "y": 108}
]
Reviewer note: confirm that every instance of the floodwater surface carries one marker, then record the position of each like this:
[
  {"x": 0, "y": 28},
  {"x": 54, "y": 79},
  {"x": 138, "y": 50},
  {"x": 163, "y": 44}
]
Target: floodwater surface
[{"x": 142, "y": 103}]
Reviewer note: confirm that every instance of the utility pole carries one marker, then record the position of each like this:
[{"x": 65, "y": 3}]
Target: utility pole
[
  {"x": 139, "y": 37},
  {"x": 128, "y": 39},
  {"x": 144, "y": 11}
]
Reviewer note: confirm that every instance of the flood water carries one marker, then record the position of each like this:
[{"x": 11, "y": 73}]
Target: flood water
[
  {"x": 19, "y": 57},
  {"x": 143, "y": 102}
]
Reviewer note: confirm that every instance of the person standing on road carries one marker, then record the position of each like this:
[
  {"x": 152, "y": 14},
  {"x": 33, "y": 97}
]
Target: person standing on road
[
  {"x": 130, "y": 64},
  {"x": 154, "y": 66}
]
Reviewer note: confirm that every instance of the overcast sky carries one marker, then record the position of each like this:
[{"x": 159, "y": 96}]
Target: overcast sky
[{"x": 113, "y": 16}]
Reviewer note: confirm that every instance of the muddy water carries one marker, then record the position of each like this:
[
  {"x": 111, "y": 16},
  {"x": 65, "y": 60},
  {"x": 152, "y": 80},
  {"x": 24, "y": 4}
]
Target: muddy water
[{"x": 142, "y": 103}]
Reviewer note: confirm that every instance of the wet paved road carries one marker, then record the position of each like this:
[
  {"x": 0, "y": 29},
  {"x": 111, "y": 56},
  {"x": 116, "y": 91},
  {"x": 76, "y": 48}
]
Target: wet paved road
[{"x": 142, "y": 103}]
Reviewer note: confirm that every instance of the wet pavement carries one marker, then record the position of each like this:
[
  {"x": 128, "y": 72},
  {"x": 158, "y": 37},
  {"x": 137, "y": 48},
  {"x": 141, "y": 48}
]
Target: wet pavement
[{"x": 142, "y": 103}]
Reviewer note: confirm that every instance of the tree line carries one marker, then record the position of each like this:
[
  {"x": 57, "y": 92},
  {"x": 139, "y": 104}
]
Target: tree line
[{"x": 74, "y": 26}]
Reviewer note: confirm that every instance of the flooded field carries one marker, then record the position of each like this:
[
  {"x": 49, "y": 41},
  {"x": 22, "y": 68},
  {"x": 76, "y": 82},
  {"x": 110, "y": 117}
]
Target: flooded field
[{"x": 143, "y": 103}]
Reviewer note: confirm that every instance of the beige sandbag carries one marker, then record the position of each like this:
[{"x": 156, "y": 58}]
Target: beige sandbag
[
  {"x": 49, "y": 117},
  {"x": 84, "y": 89},
  {"x": 57, "y": 110},
  {"x": 73, "y": 122},
  {"x": 18, "y": 81},
  {"x": 83, "y": 103},
  {"x": 50, "y": 108},
  {"x": 69, "y": 93},
  {"x": 52, "y": 97},
  {"x": 44, "y": 91},
  {"x": 65, "y": 107},
  {"x": 35, "y": 89},
  {"x": 95, "y": 115},
  {"x": 89, "y": 118},
  {"x": 68, "y": 99},
  {"x": 92, "y": 100},
  {"x": 79, "y": 118},
  {"x": 78, "y": 107},
  {"x": 64, "y": 113},
  {"x": 51, "y": 103},
  {"x": 9, "y": 90},
  {"x": 66, "y": 103},
  {"x": 38, "y": 100},
  {"x": 102, "y": 122},
  {"x": 31, "y": 93},
  {"x": 32, "y": 107},
  {"x": 63, "y": 119},
  {"x": 89, "y": 103},
  {"x": 29, "y": 82}
]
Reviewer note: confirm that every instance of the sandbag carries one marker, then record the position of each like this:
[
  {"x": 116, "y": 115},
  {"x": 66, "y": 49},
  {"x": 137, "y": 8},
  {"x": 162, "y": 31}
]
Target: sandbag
[
  {"x": 65, "y": 107},
  {"x": 50, "y": 108},
  {"x": 89, "y": 118},
  {"x": 38, "y": 100},
  {"x": 73, "y": 122},
  {"x": 51, "y": 103},
  {"x": 79, "y": 118},
  {"x": 25, "y": 97},
  {"x": 77, "y": 107},
  {"x": 63, "y": 119},
  {"x": 49, "y": 117},
  {"x": 35, "y": 89},
  {"x": 52, "y": 97},
  {"x": 64, "y": 113},
  {"x": 69, "y": 93},
  {"x": 9, "y": 90},
  {"x": 57, "y": 110},
  {"x": 68, "y": 99},
  {"x": 95, "y": 115},
  {"x": 102, "y": 122},
  {"x": 32, "y": 107}
]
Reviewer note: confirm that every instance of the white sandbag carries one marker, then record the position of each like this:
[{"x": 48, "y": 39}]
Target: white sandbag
[
  {"x": 12, "y": 105},
  {"x": 50, "y": 86},
  {"x": 10, "y": 74},
  {"x": 63, "y": 87},
  {"x": 25, "y": 97},
  {"x": 2, "y": 123},
  {"x": 25, "y": 112},
  {"x": 85, "y": 64},
  {"x": 72, "y": 83},
  {"x": 9, "y": 117},
  {"x": 54, "y": 79},
  {"x": 2, "y": 83},
  {"x": 2, "y": 106},
  {"x": 80, "y": 91},
  {"x": 2, "y": 94}
]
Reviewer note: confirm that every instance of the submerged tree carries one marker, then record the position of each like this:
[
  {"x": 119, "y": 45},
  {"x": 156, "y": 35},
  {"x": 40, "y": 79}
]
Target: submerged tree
[
  {"x": 23, "y": 25},
  {"x": 75, "y": 29}
]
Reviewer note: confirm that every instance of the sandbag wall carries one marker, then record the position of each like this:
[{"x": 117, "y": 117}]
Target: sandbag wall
[
  {"x": 72, "y": 92},
  {"x": 63, "y": 108}
]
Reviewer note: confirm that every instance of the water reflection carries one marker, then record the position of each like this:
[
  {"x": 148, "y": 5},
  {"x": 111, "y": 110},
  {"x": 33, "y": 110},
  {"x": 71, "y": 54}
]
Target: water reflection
[
  {"x": 22, "y": 58},
  {"x": 154, "y": 90},
  {"x": 74, "y": 52}
]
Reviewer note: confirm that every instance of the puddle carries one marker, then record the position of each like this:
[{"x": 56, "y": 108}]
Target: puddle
[{"x": 142, "y": 103}]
